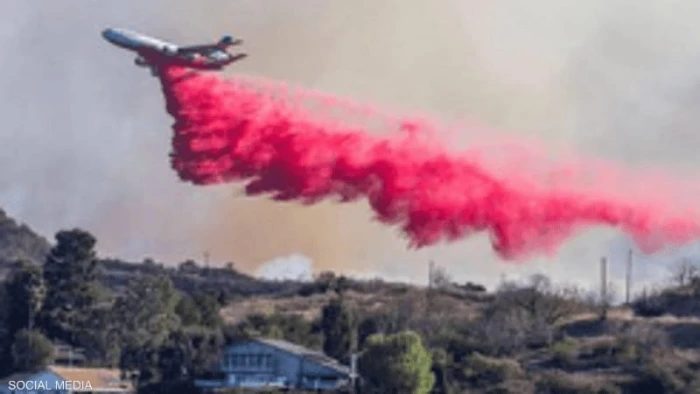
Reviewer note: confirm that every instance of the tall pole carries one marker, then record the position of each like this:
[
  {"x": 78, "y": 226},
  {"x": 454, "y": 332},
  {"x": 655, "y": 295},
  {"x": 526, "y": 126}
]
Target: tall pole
[
  {"x": 353, "y": 372},
  {"x": 431, "y": 271},
  {"x": 29, "y": 316},
  {"x": 628, "y": 284},
  {"x": 603, "y": 278},
  {"x": 431, "y": 287},
  {"x": 604, "y": 286}
]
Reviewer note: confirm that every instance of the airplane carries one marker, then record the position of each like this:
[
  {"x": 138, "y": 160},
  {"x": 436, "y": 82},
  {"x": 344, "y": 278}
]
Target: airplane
[{"x": 152, "y": 51}]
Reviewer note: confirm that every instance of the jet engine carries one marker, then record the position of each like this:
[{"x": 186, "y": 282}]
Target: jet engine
[{"x": 169, "y": 50}]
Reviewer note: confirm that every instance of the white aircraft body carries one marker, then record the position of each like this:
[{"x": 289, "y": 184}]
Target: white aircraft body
[{"x": 153, "y": 52}]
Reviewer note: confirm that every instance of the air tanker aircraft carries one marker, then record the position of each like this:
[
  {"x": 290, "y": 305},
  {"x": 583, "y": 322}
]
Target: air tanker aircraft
[{"x": 151, "y": 50}]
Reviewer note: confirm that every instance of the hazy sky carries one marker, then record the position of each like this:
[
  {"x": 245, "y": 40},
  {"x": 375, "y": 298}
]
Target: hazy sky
[{"x": 86, "y": 136}]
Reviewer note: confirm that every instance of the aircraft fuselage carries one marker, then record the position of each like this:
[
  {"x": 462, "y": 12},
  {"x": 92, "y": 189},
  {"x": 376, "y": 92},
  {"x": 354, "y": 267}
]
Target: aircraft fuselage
[{"x": 135, "y": 41}]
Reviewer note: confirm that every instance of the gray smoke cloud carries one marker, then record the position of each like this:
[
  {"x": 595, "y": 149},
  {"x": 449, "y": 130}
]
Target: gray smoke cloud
[{"x": 86, "y": 137}]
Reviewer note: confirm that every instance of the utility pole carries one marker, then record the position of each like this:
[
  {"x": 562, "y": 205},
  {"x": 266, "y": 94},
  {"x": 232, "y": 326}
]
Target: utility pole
[
  {"x": 628, "y": 282},
  {"x": 29, "y": 315},
  {"x": 206, "y": 259},
  {"x": 29, "y": 321},
  {"x": 431, "y": 288},
  {"x": 431, "y": 272},
  {"x": 353, "y": 373},
  {"x": 604, "y": 287}
]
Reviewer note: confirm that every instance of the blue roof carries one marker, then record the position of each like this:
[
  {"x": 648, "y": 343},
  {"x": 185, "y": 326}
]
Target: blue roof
[{"x": 309, "y": 354}]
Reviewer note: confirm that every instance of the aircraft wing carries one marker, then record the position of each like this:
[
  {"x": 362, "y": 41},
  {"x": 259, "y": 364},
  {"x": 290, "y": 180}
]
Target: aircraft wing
[
  {"x": 203, "y": 49},
  {"x": 206, "y": 48}
]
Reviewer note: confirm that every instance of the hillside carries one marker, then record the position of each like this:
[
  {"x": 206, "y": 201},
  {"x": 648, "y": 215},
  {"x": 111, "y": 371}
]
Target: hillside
[
  {"x": 19, "y": 242},
  {"x": 532, "y": 336}
]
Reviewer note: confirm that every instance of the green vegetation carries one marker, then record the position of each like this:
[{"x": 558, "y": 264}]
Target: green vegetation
[
  {"x": 31, "y": 350},
  {"x": 166, "y": 325},
  {"x": 19, "y": 243},
  {"x": 337, "y": 328},
  {"x": 397, "y": 364},
  {"x": 71, "y": 286}
]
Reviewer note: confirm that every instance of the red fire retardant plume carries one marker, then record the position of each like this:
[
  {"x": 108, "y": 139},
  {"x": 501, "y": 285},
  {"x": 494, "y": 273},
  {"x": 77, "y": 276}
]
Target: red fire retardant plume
[{"x": 226, "y": 130}]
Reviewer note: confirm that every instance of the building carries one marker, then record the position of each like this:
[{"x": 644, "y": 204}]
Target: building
[
  {"x": 258, "y": 363},
  {"x": 66, "y": 380},
  {"x": 67, "y": 355}
]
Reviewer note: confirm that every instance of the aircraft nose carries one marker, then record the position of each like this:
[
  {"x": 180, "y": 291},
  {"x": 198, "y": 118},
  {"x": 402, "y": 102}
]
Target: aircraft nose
[{"x": 110, "y": 35}]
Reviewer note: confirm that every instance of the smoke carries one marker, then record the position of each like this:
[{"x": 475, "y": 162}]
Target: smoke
[
  {"x": 293, "y": 267},
  {"x": 615, "y": 79}
]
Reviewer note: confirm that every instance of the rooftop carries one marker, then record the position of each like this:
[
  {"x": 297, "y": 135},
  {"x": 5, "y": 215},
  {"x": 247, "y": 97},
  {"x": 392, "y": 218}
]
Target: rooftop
[{"x": 310, "y": 354}]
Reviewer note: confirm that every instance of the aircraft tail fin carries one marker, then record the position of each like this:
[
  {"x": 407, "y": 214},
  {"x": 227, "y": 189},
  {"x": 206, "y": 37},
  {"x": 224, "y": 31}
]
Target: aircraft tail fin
[{"x": 227, "y": 41}]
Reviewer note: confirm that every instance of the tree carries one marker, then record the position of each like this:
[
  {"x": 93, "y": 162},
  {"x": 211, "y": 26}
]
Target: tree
[
  {"x": 325, "y": 281},
  {"x": 189, "y": 352},
  {"x": 5, "y": 337},
  {"x": 369, "y": 326},
  {"x": 31, "y": 351},
  {"x": 526, "y": 314},
  {"x": 100, "y": 338},
  {"x": 338, "y": 328},
  {"x": 147, "y": 317},
  {"x": 25, "y": 292},
  {"x": 208, "y": 306},
  {"x": 396, "y": 364},
  {"x": 188, "y": 312},
  {"x": 440, "y": 368},
  {"x": 23, "y": 295},
  {"x": 342, "y": 284},
  {"x": 202, "y": 308},
  {"x": 188, "y": 266},
  {"x": 70, "y": 274},
  {"x": 684, "y": 271}
]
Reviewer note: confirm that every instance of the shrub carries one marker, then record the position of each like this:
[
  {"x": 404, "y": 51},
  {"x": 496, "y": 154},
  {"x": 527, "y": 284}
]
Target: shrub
[
  {"x": 482, "y": 371},
  {"x": 562, "y": 383},
  {"x": 650, "y": 305},
  {"x": 663, "y": 372},
  {"x": 564, "y": 353}
]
